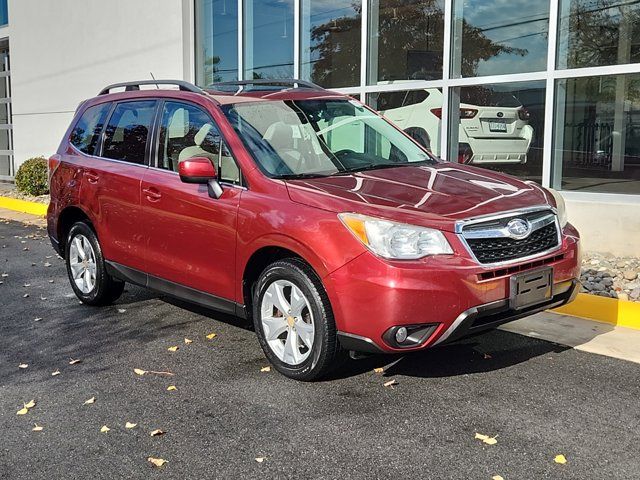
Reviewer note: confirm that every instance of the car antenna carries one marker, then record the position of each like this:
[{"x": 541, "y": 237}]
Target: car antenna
[{"x": 157, "y": 86}]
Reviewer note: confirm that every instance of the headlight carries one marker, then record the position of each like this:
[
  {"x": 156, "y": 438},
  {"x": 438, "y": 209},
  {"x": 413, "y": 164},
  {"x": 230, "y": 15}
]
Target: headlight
[
  {"x": 560, "y": 207},
  {"x": 396, "y": 240}
]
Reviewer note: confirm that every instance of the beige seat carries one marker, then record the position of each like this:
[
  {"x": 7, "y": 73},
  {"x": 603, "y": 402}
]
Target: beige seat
[{"x": 228, "y": 170}]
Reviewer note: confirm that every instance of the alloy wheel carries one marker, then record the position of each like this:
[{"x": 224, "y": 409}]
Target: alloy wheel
[{"x": 82, "y": 260}]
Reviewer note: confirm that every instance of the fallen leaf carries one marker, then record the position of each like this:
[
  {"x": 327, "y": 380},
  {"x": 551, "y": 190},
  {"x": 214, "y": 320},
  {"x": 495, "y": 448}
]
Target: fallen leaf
[
  {"x": 497, "y": 477},
  {"x": 37, "y": 428},
  {"x": 391, "y": 383},
  {"x": 56, "y": 373},
  {"x": 42, "y": 298},
  {"x": 26, "y": 295},
  {"x": 90, "y": 401},
  {"x": 121, "y": 310},
  {"x": 30, "y": 404},
  {"x": 37, "y": 319},
  {"x": 50, "y": 281},
  {"x": 158, "y": 462},
  {"x": 73, "y": 361},
  {"x": 27, "y": 285},
  {"x": 104, "y": 429},
  {"x": 378, "y": 370},
  {"x": 23, "y": 365},
  {"x": 211, "y": 336},
  {"x": 265, "y": 369},
  {"x": 486, "y": 439},
  {"x": 139, "y": 371},
  {"x": 173, "y": 349},
  {"x": 47, "y": 264},
  {"x": 487, "y": 356},
  {"x": 561, "y": 459},
  {"x": 23, "y": 411},
  {"x": 187, "y": 341},
  {"x": 157, "y": 433},
  {"x": 171, "y": 388},
  {"x": 130, "y": 425},
  {"x": 5, "y": 275},
  {"x": 260, "y": 459}
]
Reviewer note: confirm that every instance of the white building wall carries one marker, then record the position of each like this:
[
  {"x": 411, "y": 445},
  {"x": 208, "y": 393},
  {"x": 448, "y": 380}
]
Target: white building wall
[{"x": 65, "y": 51}]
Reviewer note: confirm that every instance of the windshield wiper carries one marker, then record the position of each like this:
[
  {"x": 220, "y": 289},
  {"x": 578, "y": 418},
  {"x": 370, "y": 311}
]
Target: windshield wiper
[
  {"x": 297, "y": 176},
  {"x": 380, "y": 167}
]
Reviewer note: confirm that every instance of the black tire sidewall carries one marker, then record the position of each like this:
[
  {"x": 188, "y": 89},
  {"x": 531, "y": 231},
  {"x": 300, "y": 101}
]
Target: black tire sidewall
[
  {"x": 101, "y": 289},
  {"x": 291, "y": 271}
]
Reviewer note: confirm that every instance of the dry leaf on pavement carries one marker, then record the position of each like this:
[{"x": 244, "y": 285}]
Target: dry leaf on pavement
[
  {"x": 187, "y": 341},
  {"x": 30, "y": 404},
  {"x": 73, "y": 361},
  {"x": 497, "y": 477},
  {"x": 171, "y": 388},
  {"x": 260, "y": 459},
  {"x": 211, "y": 336},
  {"x": 265, "y": 369},
  {"x": 158, "y": 462},
  {"x": 157, "y": 433},
  {"x": 90, "y": 401},
  {"x": 23, "y": 411},
  {"x": 139, "y": 371},
  {"x": 173, "y": 349},
  {"x": 121, "y": 310},
  {"x": 561, "y": 459},
  {"x": 104, "y": 429},
  {"x": 130, "y": 425},
  {"x": 486, "y": 439},
  {"x": 23, "y": 365},
  {"x": 37, "y": 428},
  {"x": 378, "y": 370},
  {"x": 56, "y": 373},
  {"x": 391, "y": 383}
]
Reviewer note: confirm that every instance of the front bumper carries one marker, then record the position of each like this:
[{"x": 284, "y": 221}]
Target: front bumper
[{"x": 455, "y": 295}]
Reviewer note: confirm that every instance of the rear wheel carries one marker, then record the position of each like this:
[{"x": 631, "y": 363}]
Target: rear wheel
[
  {"x": 86, "y": 268},
  {"x": 294, "y": 321}
]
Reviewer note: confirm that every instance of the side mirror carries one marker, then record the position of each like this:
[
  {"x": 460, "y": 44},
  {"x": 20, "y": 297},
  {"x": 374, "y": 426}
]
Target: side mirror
[
  {"x": 197, "y": 170},
  {"x": 200, "y": 170}
]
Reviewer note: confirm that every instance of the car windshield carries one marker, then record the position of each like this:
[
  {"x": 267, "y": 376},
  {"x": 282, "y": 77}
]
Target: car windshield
[{"x": 312, "y": 138}]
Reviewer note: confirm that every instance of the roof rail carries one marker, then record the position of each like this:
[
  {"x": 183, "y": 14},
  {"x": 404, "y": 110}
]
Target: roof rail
[
  {"x": 263, "y": 82},
  {"x": 134, "y": 86}
]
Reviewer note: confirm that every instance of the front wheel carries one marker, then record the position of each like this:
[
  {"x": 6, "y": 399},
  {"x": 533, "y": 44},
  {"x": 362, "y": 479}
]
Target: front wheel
[
  {"x": 86, "y": 268},
  {"x": 294, "y": 321}
]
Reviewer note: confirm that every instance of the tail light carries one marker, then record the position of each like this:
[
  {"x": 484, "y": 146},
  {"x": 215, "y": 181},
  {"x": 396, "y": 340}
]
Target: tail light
[
  {"x": 524, "y": 114},
  {"x": 464, "y": 153},
  {"x": 53, "y": 163},
  {"x": 465, "y": 113}
]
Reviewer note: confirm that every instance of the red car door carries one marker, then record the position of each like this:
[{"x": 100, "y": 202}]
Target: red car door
[
  {"x": 190, "y": 237},
  {"x": 111, "y": 181}
]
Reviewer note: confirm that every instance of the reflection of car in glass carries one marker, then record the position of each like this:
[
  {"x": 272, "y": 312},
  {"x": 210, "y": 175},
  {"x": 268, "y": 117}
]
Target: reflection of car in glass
[
  {"x": 494, "y": 127},
  {"x": 305, "y": 211}
]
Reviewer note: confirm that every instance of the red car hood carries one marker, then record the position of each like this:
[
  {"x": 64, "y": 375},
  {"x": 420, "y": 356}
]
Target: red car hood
[{"x": 433, "y": 195}]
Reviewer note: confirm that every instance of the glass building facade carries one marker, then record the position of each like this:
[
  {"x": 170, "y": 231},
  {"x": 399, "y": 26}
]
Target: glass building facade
[{"x": 548, "y": 91}]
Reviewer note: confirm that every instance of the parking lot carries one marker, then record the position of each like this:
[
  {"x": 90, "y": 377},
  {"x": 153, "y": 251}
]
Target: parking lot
[{"x": 226, "y": 418}]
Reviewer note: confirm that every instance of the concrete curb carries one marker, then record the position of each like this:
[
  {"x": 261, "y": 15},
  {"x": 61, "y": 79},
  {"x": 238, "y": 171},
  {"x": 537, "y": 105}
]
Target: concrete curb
[
  {"x": 23, "y": 206},
  {"x": 621, "y": 313}
]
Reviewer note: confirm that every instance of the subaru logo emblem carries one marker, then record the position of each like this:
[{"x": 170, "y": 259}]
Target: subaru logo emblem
[
  {"x": 518, "y": 228},
  {"x": 500, "y": 114}
]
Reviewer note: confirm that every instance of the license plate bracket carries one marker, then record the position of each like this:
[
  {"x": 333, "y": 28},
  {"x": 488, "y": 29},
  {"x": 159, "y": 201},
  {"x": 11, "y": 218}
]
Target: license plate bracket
[{"x": 531, "y": 288}]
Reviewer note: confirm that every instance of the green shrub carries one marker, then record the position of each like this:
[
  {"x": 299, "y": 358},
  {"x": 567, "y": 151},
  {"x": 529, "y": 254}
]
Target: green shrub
[{"x": 33, "y": 177}]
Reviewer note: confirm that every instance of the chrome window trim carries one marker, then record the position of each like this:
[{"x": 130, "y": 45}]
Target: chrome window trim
[{"x": 512, "y": 213}]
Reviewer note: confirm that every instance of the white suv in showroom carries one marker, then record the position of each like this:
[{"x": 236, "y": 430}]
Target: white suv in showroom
[{"x": 494, "y": 128}]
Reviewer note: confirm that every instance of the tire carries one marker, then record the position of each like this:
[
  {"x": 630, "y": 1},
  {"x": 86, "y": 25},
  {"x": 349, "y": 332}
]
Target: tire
[
  {"x": 82, "y": 243},
  {"x": 315, "y": 311}
]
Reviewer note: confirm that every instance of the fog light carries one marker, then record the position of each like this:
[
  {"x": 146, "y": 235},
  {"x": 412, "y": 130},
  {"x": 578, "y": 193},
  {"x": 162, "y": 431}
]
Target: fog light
[{"x": 401, "y": 335}]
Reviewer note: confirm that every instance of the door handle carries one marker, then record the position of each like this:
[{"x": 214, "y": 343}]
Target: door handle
[
  {"x": 152, "y": 194},
  {"x": 92, "y": 177}
]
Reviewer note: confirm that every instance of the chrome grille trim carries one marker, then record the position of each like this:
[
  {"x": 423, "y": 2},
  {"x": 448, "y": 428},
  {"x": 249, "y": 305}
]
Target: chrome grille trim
[{"x": 501, "y": 233}]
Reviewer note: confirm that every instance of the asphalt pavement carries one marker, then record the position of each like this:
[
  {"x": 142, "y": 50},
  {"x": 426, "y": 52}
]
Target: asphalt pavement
[{"x": 538, "y": 399}]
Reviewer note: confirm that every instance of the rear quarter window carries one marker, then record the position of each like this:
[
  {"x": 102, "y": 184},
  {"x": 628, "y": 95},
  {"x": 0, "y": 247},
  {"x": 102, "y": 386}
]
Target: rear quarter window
[{"x": 86, "y": 133}]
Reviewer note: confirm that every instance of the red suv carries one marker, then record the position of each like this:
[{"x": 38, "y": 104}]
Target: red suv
[{"x": 305, "y": 211}]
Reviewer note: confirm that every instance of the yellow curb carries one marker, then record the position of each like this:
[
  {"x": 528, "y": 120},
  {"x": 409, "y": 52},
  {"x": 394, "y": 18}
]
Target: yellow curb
[
  {"x": 602, "y": 309},
  {"x": 33, "y": 208}
]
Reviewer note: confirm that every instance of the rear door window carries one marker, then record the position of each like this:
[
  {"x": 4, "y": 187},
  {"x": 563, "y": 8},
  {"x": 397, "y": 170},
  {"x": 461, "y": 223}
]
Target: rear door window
[
  {"x": 86, "y": 133},
  {"x": 127, "y": 132}
]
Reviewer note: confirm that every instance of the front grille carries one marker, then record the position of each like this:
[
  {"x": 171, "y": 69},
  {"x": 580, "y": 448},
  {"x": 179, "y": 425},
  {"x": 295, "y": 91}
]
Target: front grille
[{"x": 503, "y": 249}]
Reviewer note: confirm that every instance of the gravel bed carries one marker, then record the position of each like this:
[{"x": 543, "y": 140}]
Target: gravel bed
[
  {"x": 11, "y": 192},
  {"x": 611, "y": 276}
]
